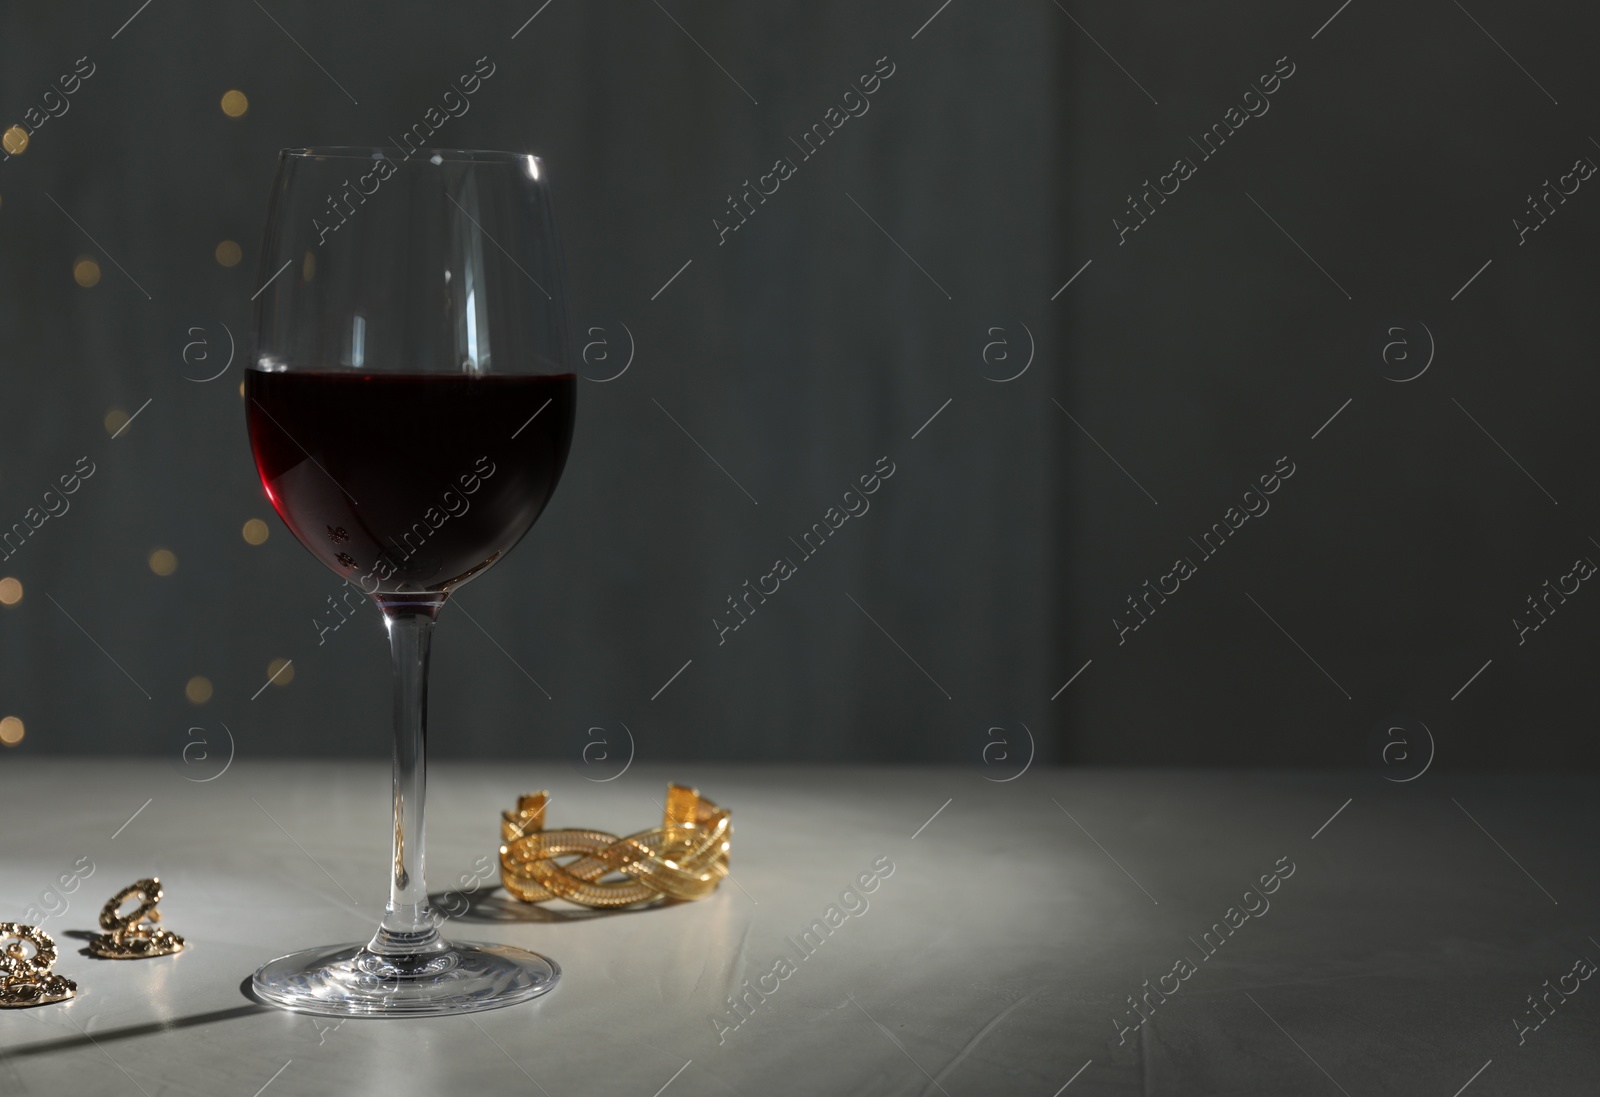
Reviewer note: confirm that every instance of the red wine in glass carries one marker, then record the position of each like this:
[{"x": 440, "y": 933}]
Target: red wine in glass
[{"x": 409, "y": 483}]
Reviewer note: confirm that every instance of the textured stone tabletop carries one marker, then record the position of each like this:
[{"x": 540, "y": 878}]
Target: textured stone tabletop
[{"x": 1277, "y": 933}]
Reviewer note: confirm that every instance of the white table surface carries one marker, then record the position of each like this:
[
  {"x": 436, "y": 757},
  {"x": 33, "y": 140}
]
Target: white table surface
[{"x": 991, "y": 961}]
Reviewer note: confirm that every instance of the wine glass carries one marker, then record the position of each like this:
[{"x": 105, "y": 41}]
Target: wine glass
[{"x": 410, "y": 407}]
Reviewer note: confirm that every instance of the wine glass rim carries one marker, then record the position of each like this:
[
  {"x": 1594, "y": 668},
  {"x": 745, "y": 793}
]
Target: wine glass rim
[{"x": 392, "y": 152}]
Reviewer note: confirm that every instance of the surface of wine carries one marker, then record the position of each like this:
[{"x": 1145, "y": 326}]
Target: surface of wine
[{"x": 409, "y": 483}]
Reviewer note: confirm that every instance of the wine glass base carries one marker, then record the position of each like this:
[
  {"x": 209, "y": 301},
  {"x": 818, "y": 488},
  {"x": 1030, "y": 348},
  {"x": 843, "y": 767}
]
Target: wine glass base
[{"x": 350, "y": 981}]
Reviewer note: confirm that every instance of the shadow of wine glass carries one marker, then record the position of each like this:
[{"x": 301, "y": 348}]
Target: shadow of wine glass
[{"x": 128, "y": 1032}]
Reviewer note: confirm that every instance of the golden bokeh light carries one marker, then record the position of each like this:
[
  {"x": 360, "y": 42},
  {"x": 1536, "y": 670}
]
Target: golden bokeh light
[
  {"x": 86, "y": 272},
  {"x": 228, "y": 253},
  {"x": 15, "y": 141},
  {"x": 235, "y": 103},
  {"x": 163, "y": 562},
  {"x": 308, "y": 266},
  {"x": 10, "y": 591},
  {"x": 198, "y": 689},
  {"x": 255, "y": 531},
  {"x": 280, "y": 672},
  {"x": 115, "y": 420},
  {"x": 11, "y": 731}
]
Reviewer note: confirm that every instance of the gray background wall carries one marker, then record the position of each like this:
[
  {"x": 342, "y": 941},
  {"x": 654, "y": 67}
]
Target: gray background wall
[{"x": 1197, "y": 353}]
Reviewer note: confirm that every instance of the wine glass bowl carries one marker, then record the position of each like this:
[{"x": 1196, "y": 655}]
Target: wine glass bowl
[{"x": 410, "y": 408}]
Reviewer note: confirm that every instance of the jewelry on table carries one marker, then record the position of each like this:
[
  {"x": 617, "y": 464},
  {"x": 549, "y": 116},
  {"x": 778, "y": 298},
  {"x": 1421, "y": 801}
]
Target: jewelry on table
[
  {"x": 684, "y": 858},
  {"x": 26, "y": 980},
  {"x": 136, "y": 935}
]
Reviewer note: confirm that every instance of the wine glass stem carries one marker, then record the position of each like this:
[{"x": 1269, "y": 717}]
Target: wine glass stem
[{"x": 407, "y": 927}]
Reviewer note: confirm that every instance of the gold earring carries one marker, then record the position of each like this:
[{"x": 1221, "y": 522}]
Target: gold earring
[
  {"x": 136, "y": 935},
  {"x": 25, "y": 980}
]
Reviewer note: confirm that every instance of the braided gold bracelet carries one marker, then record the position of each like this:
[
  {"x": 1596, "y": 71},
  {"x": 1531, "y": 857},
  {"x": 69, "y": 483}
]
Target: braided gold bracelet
[{"x": 684, "y": 858}]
